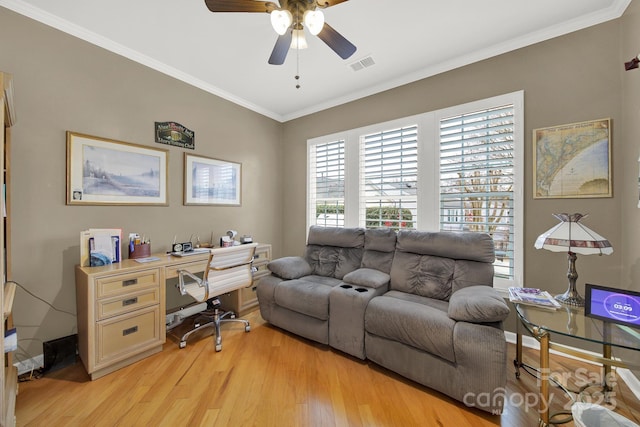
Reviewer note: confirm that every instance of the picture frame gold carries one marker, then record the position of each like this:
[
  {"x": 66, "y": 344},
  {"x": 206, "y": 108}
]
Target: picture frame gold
[
  {"x": 210, "y": 181},
  {"x": 102, "y": 171},
  {"x": 573, "y": 160}
]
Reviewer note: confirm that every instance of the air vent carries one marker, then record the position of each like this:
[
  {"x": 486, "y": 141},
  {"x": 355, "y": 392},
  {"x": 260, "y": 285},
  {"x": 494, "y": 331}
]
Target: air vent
[{"x": 362, "y": 63}]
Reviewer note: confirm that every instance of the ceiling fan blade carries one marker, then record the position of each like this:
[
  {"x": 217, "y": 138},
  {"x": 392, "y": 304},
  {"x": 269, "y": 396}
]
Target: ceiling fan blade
[
  {"x": 328, "y": 3},
  {"x": 343, "y": 47},
  {"x": 240, "y": 6},
  {"x": 281, "y": 49}
]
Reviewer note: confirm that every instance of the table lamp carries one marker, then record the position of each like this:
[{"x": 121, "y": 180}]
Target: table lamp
[{"x": 574, "y": 238}]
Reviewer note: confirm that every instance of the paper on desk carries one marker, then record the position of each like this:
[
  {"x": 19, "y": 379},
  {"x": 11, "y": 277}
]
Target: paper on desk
[
  {"x": 102, "y": 244},
  {"x": 147, "y": 259}
]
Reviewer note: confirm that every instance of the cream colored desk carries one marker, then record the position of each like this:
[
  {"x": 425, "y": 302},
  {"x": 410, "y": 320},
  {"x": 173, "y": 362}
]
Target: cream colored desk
[{"x": 121, "y": 307}]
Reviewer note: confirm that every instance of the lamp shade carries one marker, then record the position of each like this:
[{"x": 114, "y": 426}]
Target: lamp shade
[
  {"x": 572, "y": 236},
  {"x": 298, "y": 41},
  {"x": 281, "y": 20},
  {"x": 314, "y": 21}
]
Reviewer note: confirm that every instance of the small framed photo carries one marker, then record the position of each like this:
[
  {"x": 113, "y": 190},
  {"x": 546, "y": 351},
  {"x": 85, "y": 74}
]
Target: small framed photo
[
  {"x": 209, "y": 181},
  {"x": 103, "y": 171}
]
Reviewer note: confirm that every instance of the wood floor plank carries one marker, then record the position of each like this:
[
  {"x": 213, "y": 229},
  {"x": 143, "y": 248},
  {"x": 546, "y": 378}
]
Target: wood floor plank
[{"x": 269, "y": 378}]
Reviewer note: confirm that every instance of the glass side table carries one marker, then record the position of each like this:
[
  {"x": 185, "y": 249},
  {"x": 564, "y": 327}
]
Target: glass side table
[{"x": 570, "y": 322}]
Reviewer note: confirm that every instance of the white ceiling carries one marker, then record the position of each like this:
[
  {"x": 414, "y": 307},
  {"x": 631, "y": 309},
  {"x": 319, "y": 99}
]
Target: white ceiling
[{"x": 226, "y": 53}]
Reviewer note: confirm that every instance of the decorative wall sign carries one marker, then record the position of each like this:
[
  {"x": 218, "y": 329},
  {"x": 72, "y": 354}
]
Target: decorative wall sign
[
  {"x": 210, "y": 181},
  {"x": 573, "y": 160},
  {"x": 102, "y": 171},
  {"x": 173, "y": 133}
]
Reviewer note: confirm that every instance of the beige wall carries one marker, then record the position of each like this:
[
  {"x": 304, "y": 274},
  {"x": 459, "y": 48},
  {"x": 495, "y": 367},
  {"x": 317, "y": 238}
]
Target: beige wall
[
  {"x": 62, "y": 83},
  {"x": 630, "y": 213}
]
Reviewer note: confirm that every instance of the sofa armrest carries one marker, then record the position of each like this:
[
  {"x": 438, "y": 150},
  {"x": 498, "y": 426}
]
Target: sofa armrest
[
  {"x": 292, "y": 267},
  {"x": 368, "y": 277},
  {"x": 477, "y": 304}
]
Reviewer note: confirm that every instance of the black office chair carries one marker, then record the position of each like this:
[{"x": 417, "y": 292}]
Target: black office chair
[{"x": 228, "y": 269}]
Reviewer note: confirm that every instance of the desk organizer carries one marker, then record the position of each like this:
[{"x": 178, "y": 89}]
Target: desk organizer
[{"x": 142, "y": 250}]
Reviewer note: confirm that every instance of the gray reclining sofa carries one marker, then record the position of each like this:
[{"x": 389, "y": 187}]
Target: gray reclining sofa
[{"x": 418, "y": 303}]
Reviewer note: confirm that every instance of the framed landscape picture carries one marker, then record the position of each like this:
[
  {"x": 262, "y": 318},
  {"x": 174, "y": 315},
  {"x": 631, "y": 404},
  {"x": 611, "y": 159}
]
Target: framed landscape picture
[
  {"x": 102, "y": 171},
  {"x": 210, "y": 181},
  {"x": 573, "y": 160}
]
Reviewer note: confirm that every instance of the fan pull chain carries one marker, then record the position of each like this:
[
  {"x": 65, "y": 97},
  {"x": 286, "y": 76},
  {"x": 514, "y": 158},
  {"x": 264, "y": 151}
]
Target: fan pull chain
[
  {"x": 297, "y": 68},
  {"x": 298, "y": 27}
]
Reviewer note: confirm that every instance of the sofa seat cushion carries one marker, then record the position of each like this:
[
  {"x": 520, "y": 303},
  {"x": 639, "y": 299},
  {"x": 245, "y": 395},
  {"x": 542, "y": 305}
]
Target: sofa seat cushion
[
  {"x": 414, "y": 320},
  {"x": 308, "y": 295}
]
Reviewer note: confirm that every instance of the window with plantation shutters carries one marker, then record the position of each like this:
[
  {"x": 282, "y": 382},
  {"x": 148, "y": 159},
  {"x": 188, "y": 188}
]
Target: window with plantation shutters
[
  {"x": 389, "y": 182},
  {"x": 458, "y": 168},
  {"x": 477, "y": 178},
  {"x": 327, "y": 184}
]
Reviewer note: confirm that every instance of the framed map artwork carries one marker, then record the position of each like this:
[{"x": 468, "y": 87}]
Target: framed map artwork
[{"x": 573, "y": 160}]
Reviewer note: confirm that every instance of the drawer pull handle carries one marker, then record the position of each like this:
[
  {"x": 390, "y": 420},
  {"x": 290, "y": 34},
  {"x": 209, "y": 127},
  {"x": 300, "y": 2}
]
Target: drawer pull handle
[
  {"x": 130, "y": 301},
  {"x": 129, "y": 331},
  {"x": 130, "y": 282}
]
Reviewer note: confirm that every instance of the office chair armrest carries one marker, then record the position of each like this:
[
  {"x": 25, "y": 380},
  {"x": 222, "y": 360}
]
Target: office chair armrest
[{"x": 196, "y": 279}]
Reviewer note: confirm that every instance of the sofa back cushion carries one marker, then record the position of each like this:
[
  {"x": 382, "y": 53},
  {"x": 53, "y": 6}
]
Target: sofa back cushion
[
  {"x": 436, "y": 264},
  {"x": 334, "y": 251},
  {"x": 379, "y": 247}
]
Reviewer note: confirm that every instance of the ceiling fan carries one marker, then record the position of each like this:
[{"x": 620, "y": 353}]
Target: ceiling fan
[{"x": 289, "y": 19}]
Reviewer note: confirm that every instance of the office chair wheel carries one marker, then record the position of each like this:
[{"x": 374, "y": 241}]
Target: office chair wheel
[
  {"x": 218, "y": 347},
  {"x": 183, "y": 344},
  {"x": 247, "y": 328}
]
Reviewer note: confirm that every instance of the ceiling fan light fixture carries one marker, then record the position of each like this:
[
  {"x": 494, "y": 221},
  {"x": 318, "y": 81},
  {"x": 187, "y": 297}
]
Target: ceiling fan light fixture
[
  {"x": 314, "y": 21},
  {"x": 281, "y": 20},
  {"x": 298, "y": 41}
]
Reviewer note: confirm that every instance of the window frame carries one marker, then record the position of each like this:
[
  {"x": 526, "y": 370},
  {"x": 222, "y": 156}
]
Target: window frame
[{"x": 428, "y": 125}]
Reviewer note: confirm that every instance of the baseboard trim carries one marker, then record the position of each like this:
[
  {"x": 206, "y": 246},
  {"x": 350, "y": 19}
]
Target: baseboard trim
[
  {"x": 29, "y": 365},
  {"x": 625, "y": 374}
]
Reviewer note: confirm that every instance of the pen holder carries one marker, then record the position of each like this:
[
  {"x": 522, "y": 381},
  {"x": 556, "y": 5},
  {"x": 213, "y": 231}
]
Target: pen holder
[{"x": 142, "y": 250}]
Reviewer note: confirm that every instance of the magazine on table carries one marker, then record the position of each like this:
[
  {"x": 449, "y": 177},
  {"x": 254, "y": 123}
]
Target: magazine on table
[{"x": 533, "y": 296}]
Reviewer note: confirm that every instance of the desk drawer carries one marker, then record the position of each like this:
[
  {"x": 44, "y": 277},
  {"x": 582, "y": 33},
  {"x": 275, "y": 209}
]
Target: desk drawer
[
  {"x": 127, "y": 283},
  {"x": 248, "y": 295},
  {"x": 125, "y": 336},
  {"x": 261, "y": 271},
  {"x": 191, "y": 267},
  {"x": 127, "y": 303}
]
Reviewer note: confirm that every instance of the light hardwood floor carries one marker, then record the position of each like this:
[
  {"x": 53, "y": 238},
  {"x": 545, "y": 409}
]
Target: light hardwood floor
[{"x": 267, "y": 378}]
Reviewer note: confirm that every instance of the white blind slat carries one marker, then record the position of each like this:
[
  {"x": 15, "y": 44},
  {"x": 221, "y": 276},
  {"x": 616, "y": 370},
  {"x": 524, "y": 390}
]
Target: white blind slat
[
  {"x": 327, "y": 184},
  {"x": 389, "y": 170},
  {"x": 477, "y": 177}
]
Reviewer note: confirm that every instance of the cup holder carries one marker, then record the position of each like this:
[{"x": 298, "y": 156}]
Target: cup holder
[
  {"x": 361, "y": 290},
  {"x": 346, "y": 286}
]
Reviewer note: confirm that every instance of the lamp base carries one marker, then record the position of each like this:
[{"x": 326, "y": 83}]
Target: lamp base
[{"x": 572, "y": 299}]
